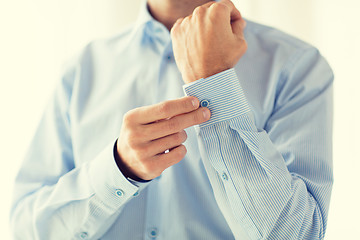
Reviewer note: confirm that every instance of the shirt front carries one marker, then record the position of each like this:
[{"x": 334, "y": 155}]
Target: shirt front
[{"x": 260, "y": 168}]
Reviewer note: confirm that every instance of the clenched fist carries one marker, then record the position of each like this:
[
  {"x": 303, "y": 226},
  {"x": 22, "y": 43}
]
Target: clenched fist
[
  {"x": 209, "y": 41},
  {"x": 151, "y": 137}
]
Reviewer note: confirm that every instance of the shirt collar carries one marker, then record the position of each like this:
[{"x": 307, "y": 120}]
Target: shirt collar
[
  {"x": 144, "y": 15},
  {"x": 151, "y": 29}
]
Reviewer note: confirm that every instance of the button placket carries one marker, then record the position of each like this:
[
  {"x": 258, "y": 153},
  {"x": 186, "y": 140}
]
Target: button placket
[
  {"x": 153, "y": 233},
  {"x": 153, "y": 212}
]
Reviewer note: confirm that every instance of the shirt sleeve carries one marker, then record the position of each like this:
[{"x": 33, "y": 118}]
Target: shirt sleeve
[
  {"x": 56, "y": 199},
  {"x": 275, "y": 182}
]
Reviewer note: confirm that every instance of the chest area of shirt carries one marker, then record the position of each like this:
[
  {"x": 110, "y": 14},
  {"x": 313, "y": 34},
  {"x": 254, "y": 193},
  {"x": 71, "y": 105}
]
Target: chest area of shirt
[{"x": 111, "y": 92}]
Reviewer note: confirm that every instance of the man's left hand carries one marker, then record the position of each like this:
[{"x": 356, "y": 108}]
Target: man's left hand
[{"x": 209, "y": 41}]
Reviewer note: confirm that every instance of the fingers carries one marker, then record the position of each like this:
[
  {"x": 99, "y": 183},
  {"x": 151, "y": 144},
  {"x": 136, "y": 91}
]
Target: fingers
[
  {"x": 206, "y": 5},
  {"x": 174, "y": 156},
  {"x": 237, "y": 22},
  {"x": 165, "y": 110},
  {"x": 227, "y": 9},
  {"x": 159, "y": 146},
  {"x": 238, "y": 27},
  {"x": 234, "y": 12},
  {"x": 178, "y": 22},
  {"x": 221, "y": 6},
  {"x": 177, "y": 123}
]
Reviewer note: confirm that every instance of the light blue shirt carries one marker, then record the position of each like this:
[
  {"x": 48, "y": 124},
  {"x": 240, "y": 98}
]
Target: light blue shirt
[{"x": 260, "y": 168}]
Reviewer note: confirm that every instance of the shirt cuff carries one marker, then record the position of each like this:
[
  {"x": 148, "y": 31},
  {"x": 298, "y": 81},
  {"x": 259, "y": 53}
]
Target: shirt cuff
[
  {"x": 108, "y": 182},
  {"x": 222, "y": 94},
  {"x": 140, "y": 184}
]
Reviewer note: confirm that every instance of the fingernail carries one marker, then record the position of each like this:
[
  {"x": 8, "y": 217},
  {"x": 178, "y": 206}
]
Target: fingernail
[{"x": 206, "y": 113}]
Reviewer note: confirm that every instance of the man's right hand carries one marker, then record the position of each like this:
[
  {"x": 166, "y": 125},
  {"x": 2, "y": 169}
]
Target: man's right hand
[{"x": 148, "y": 132}]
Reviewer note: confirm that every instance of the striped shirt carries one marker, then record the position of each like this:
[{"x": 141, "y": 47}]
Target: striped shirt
[{"x": 260, "y": 168}]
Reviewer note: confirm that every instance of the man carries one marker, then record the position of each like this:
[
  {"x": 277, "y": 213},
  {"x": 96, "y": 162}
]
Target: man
[{"x": 121, "y": 154}]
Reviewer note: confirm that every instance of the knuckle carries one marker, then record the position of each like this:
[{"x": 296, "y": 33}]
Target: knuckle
[
  {"x": 186, "y": 19},
  {"x": 179, "y": 20},
  {"x": 180, "y": 137},
  {"x": 184, "y": 23},
  {"x": 183, "y": 136},
  {"x": 164, "y": 108},
  {"x": 187, "y": 104},
  {"x": 198, "y": 116},
  {"x": 172, "y": 32},
  {"x": 175, "y": 27},
  {"x": 199, "y": 11},
  {"x": 180, "y": 154},
  {"x": 176, "y": 137},
  {"x": 216, "y": 7}
]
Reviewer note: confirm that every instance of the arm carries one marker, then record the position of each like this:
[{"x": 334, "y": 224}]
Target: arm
[
  {"x": 272, "y": 183},
  {"x": 276, "y": 180},
  {"x": 54, "y": 198}
]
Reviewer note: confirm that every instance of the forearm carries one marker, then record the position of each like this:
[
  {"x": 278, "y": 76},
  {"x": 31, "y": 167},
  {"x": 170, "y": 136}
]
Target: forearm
[
  {"x": 82, "y": 201},
  {"x": 266, "y": 199},
  {"x": 274, "y": 188}
]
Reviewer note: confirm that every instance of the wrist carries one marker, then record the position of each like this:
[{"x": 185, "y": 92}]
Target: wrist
[
  {"x": 203, "y": 74},
  {"x": 123, "y": 167}
]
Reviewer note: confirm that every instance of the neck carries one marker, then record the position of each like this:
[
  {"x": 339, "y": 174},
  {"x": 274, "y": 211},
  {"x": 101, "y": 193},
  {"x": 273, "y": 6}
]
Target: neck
[{"x": 168, "y": 11}]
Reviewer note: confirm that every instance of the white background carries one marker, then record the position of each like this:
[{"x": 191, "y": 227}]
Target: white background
[{"x": 37, "y": 36}]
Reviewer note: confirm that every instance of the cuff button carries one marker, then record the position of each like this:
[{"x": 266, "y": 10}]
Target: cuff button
[
  {"x": 83, "y": 235},
  {"x": 119, "y": 192},
  {"x": 204, "y": 103}
]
